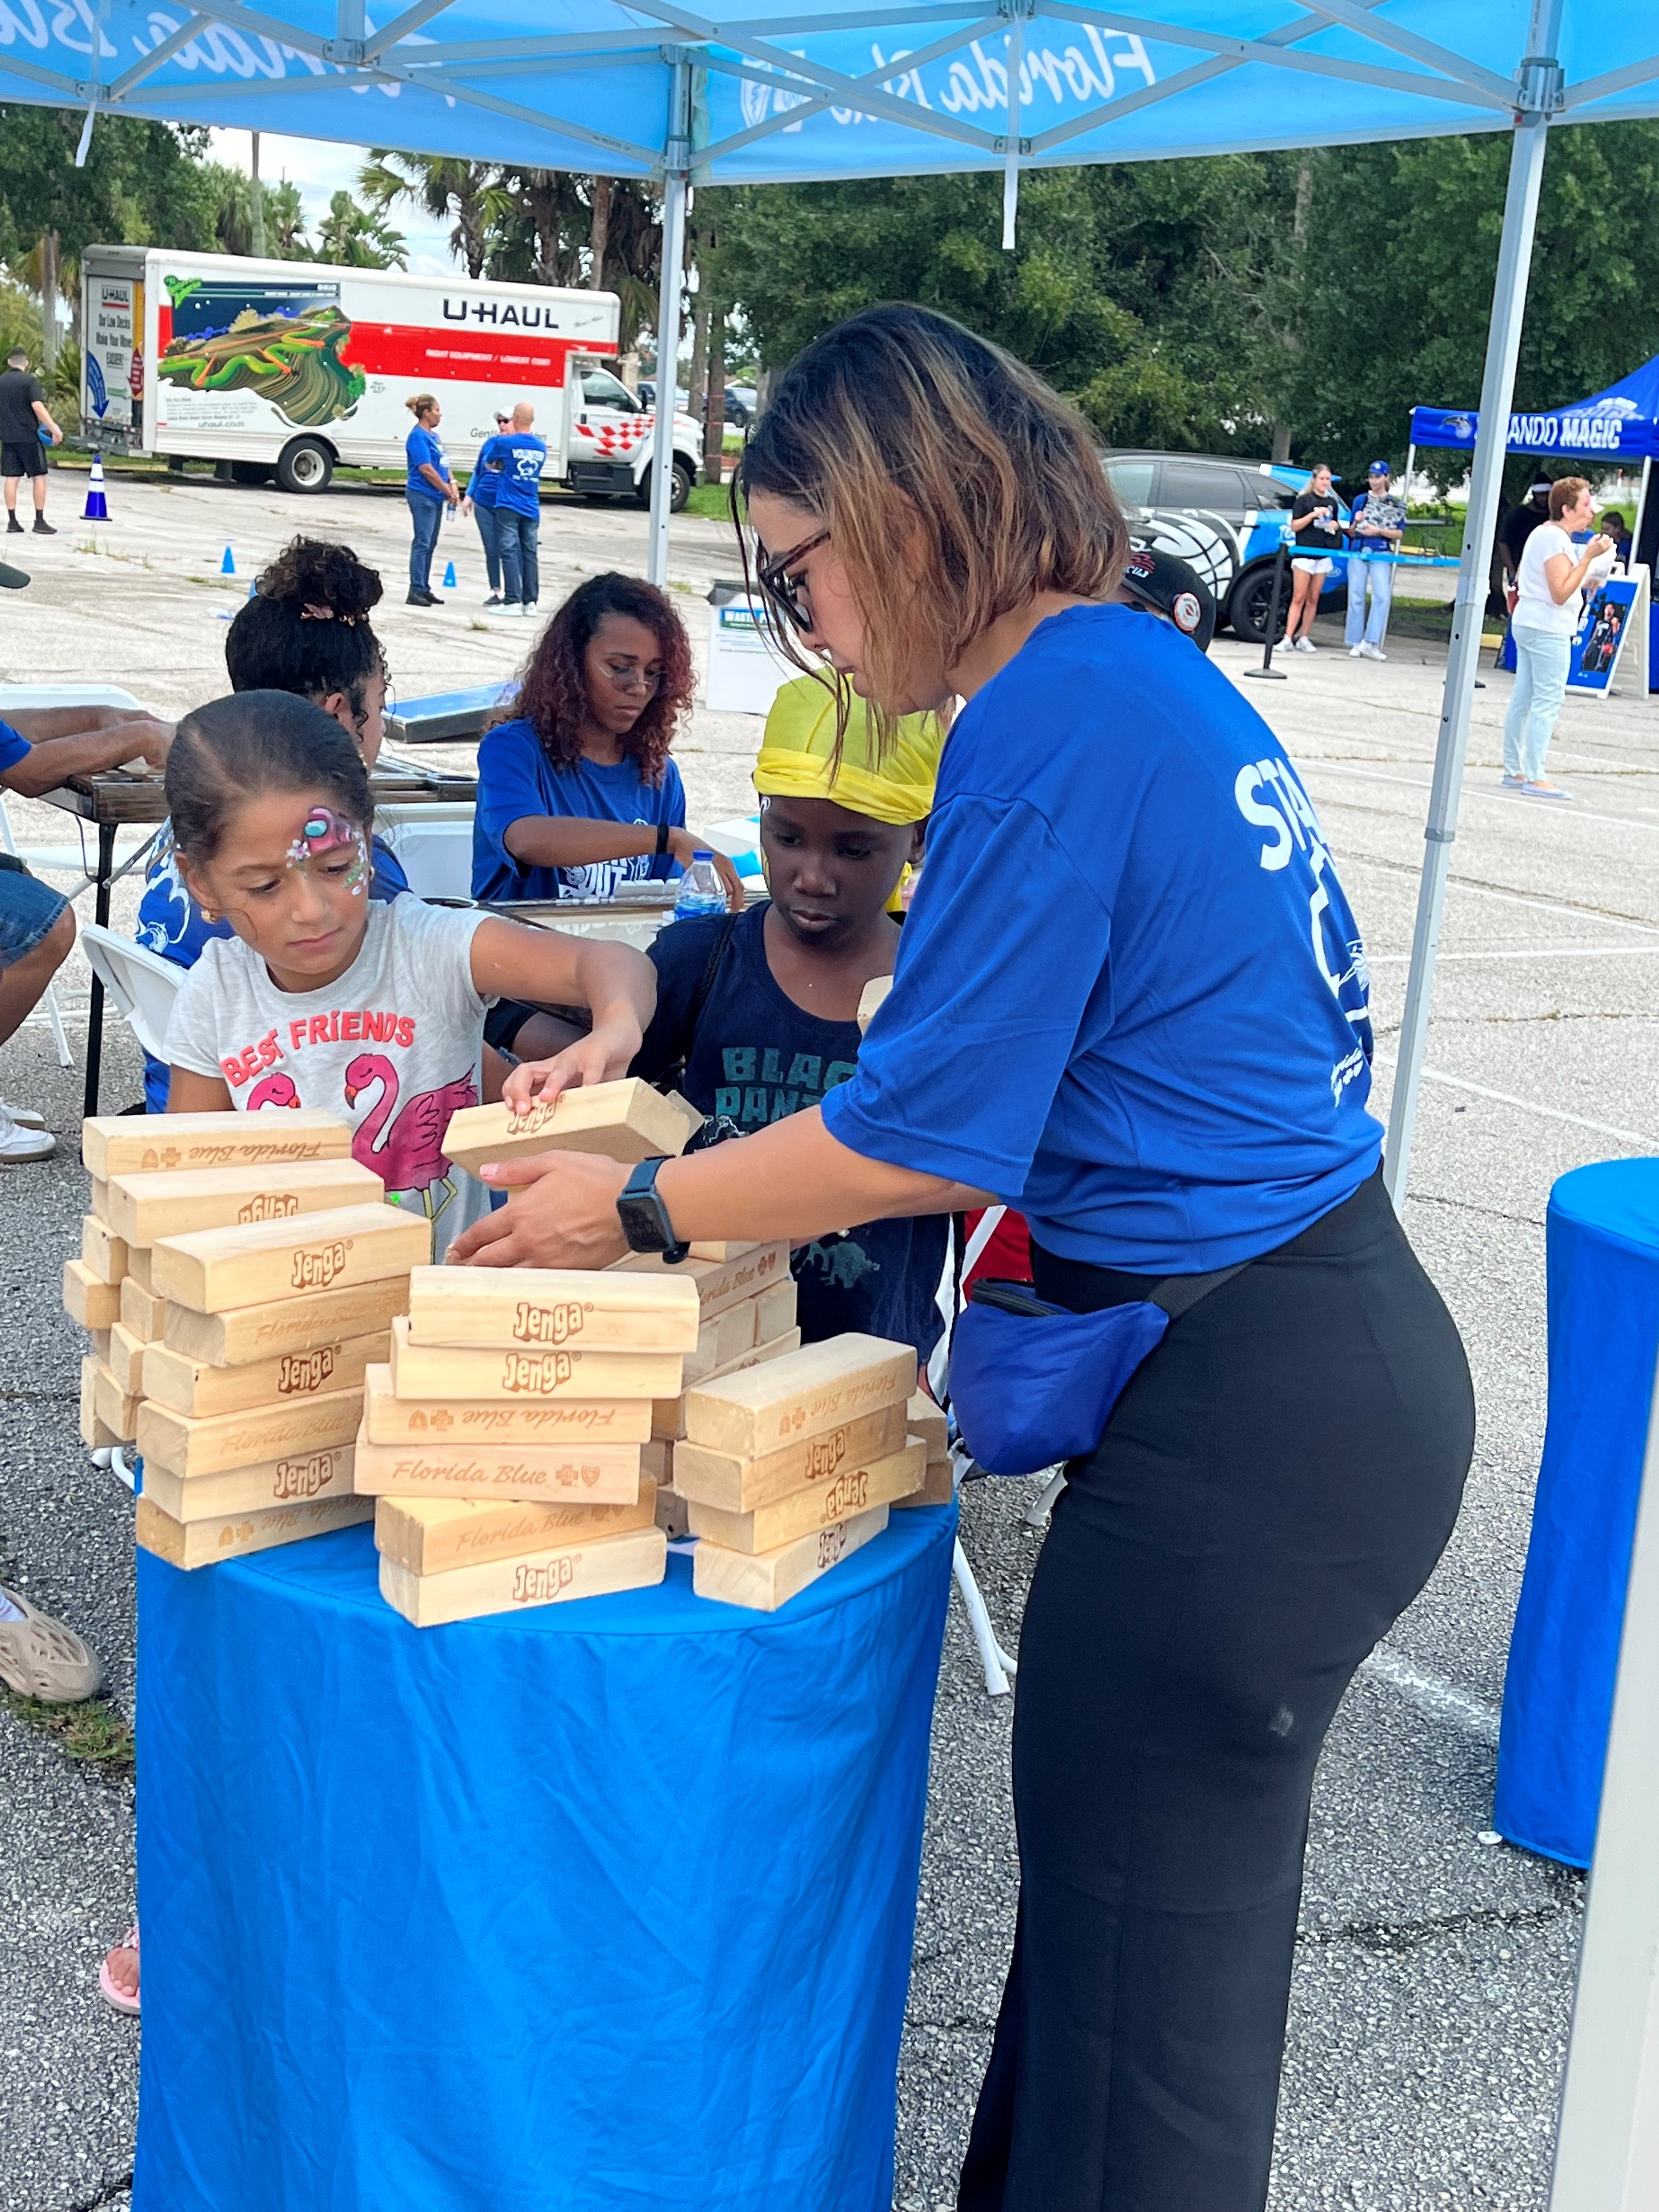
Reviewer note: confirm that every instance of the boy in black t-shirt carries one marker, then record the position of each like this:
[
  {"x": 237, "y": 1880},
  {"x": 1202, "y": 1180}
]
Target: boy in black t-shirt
[{"x": 762, "y": 1005}]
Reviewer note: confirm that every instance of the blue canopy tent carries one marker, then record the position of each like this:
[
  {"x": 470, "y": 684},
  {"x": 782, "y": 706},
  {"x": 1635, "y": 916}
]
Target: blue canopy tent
[
  {"x": 1619, "y": 426},
  {"x": 787, "y": 90}
]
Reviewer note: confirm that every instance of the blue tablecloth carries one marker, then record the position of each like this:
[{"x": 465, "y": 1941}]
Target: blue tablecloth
[
  {"x": 1603, "y": 1271},
  {"x": 607, "y": 1906}
]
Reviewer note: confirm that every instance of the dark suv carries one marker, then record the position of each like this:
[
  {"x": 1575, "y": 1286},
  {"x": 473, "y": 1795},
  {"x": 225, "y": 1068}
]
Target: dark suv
[{"x": 1222, "y": 515}]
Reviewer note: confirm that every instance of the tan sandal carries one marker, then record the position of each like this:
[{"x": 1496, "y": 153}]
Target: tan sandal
[{"x": 40, "y": 1658}]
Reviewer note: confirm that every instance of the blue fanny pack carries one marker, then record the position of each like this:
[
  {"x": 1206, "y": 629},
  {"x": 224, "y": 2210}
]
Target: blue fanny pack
[{"x": 1032, "y": 1384}]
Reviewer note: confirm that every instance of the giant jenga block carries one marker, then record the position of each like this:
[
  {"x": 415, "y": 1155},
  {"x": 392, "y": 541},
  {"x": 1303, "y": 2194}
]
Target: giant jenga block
[
  {"x": 95, "y": 1434},
  {"x": 295, "y": 1481},
  {"x": 723, "y": 1338},
  {"x": 589, "y": 1474},
  {"x": 251, "y": 1334},
  {"x": 775, "y": 1310},
  {"x": 672, "y": 1515},
  {"x": 721, "y": 1283},
  {"x": 750, "y": 1414},
  {"x": 549, "y": 1307},
  {"x": 722, "y": 1248},
  {"x": 623, "y": 1121},
  {"x": 927, "y": 1421},
  {"x": 142, "y": 1313},
  {"x": 390, "y": 1419},
  {"x": 229, "y": 1441},
  {"x": 588, "y": 1569},
  {"x": 432, "y": 1535},
  {"x": 134, "y": 1144},
  {"x": 668, "y": 1415},
  {"x": 88, "y": 1302},
  {"x": 125, "y": 1361},
  {"x": 764, "y": 1581},
  {"x": 190, "y": 1386},
  {"x": 937, "y": 1487},
  {"x": 139, "y": 1265},
  {"x": 444, "y": 1370},
  {"x": 216, "y": 1270},
  {"x": 101, "y": 1250},
  {"x": 871, "y": 998},
  {"x": 233, "y": 1536},
  {"x": 854, "y": 1490},
  {"x": 656, "y": 1460},
  {"x": 739, "y": 1485},
  {"x": 117, "y": 1410},
  {"x": 145, "y": 1207}
]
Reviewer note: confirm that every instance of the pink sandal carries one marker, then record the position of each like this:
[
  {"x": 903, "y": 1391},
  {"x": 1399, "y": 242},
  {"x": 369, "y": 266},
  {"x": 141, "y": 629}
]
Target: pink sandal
[{"x": 108, "y": 1989}]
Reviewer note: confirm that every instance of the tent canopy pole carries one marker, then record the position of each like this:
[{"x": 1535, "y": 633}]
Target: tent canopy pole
[
  {"x": 677, "y": 159},
  {"x": 1538, "y": 96}
]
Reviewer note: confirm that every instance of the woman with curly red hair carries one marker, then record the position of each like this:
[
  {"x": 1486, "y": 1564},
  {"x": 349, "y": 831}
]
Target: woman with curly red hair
[{"x": 577, "y": 791}]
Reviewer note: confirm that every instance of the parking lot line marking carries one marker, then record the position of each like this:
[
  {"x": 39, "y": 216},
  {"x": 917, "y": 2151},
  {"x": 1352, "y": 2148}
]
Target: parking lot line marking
[
  {"x": 1439, "y": 1699},
  {"x": 1527, "y": 952},
  {"x": 1596, "y": 914},
  {"x": 1576, "y": 812},
  {"x": 1550, "y": 1112}
]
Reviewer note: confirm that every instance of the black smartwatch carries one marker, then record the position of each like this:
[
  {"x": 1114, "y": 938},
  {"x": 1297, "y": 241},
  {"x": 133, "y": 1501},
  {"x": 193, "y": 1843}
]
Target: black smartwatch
[
  {"x": 662, "y": 838},
  {"x": 644, "y": 1217}
]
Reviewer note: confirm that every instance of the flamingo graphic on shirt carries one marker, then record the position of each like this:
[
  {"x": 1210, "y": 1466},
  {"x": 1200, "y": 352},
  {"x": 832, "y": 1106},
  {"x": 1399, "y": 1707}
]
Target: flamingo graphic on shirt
[
  {"x": 406, "y": 1151},
  {"x": 275, "y": 1090}
]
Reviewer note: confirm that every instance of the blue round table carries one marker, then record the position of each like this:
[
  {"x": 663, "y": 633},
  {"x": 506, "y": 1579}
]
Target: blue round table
[
  {"x": 1602, "y": 1233},
  {"x": 607, "y": 1904}
]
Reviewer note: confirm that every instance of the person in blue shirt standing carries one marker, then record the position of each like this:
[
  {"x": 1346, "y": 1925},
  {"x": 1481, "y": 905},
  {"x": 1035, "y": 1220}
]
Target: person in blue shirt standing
[
  {"x": 520, "y": 457},
  {"x": 1131, "y": 1001},
  {"x": 430, "y": 489},
  {"x": 482, "y": 487}
]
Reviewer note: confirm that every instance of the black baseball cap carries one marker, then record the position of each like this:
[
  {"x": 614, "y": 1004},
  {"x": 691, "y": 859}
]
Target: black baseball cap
[{"x": 1172, "y": 588}]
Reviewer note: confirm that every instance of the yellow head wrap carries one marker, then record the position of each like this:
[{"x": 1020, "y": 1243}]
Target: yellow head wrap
[{"x": 797, "y": 756}]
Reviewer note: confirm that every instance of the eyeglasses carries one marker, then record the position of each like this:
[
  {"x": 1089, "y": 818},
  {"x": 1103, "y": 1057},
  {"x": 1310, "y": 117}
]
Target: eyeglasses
[{"x": 783, "y": 590}]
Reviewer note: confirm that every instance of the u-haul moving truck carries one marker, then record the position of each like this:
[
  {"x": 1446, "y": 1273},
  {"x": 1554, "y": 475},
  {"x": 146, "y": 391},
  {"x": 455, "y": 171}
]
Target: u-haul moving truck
[{"x": 288, "y": 368}]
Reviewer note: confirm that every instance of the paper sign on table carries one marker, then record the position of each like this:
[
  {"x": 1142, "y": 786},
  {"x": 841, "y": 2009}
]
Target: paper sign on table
[
  {"x": 589, "y": 1569},
  {"x": 216, "y": 1270},
  {"x": 133, "y": 1144},
  {"x": 542, "y": 1309},
  {"x": 431, "y": 1535},
  {"x": 766, "y": 1580}
]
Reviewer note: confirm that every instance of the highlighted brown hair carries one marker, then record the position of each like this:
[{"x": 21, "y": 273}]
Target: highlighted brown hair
[
  {"x": 1562, "y": 494},
  {"x": 903, "y": 430}
]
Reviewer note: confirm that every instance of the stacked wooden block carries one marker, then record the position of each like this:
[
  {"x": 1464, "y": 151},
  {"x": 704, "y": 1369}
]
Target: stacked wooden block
[
  {"x": 504, "y": 1440},
  {"x": 788, "y": 1468},
  {"x": 260, "y": 1270}
]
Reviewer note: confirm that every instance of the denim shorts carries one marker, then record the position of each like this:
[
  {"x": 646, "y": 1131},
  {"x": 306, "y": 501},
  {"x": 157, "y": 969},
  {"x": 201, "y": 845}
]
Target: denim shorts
[{"x": 28, "y": 912}]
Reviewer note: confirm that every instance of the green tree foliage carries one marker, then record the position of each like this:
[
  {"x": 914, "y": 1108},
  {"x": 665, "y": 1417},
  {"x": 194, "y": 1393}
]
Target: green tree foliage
[
  {"x": 359, "y": 238},
  {"x": 144, "y": 184}
]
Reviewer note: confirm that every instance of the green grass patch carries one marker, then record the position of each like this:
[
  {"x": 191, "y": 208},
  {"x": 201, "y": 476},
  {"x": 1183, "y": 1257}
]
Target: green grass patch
[
  {"x": 91, "y": 1732},
  {"x": 713, "y": 501}
]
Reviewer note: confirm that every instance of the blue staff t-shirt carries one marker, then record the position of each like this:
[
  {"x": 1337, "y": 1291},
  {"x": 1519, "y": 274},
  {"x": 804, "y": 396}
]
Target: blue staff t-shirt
[
  {"x": 483, "y": 484},
  {"x": 13, "y": 747},
  {"x": 520, "y": 458},
  {"x": 754, "y": 1057},
  {"x": 517, "y": 780},
  {"x": 171, "y": 923},
  {"x": 422, "y": 445},
  {"x": 1130, "y": 997}
]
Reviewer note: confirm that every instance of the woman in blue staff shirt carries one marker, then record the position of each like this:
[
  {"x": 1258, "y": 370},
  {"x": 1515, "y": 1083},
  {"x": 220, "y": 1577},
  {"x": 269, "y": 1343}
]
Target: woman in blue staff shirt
[
  {"x": 1130, "y": 1000},
  {"x": 429, "y": 489},
  {"x": 518, "y": 457}
]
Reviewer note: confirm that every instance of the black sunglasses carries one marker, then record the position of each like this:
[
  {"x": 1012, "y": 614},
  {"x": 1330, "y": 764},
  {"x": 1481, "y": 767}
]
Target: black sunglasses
[{"x": 784, "y": 590}]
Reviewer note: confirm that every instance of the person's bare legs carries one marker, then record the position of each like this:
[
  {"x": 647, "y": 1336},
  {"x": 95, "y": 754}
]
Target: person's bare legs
[
  {"x": 12, "y": 484},
  {"x": 1305, "y": 604},
  {"x": 23, "y": 985}
]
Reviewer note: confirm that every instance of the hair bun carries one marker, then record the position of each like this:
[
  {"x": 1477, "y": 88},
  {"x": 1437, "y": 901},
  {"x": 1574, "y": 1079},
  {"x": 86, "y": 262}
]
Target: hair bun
[{"x": 312, "y": 573}]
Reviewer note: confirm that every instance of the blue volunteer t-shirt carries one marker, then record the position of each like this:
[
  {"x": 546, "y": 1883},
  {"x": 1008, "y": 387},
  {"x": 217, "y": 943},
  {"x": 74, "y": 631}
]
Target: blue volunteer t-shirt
[
  {"x": 755, "y": 1056},
  {"x": 483, "y": 484},
  {"x": 422, "y": 445},
  {"x": 12, "y": 746},
  {"x": 516, "y": 780},
  {"x": 521, "y": 459},
  {"x": 171, "y": 923},
  {"x": 1130, "y": 997}
]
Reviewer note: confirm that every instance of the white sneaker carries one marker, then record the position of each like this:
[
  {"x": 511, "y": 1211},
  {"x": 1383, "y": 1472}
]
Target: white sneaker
[
  {"x": 1372, "y": 652},
  {"x": 1302, "y": 645},
  {"x": 1356, "y": 652},
  {"x": 26, "y": 1114},
  {"x": 18, "y": 1143}
]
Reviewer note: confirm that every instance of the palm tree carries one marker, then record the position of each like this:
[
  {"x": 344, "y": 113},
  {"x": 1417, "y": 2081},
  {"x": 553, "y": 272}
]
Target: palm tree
[
  {"x": 357, "y": 238},
  {"x": 440, "y": 185}
]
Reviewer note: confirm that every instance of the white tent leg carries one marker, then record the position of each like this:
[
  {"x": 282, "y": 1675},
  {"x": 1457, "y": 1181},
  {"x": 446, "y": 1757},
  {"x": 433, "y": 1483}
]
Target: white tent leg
[
  {"x": 1607, "y": 2148},
  {"x": 1538, "y": 95},
  {"x": 676, "y": 159},
  {"x": 995, "y": 1660},
  {"x": 1037, "y": 1514}
]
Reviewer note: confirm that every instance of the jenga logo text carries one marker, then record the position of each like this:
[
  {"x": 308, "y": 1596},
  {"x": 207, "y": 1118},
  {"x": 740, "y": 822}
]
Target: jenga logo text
[
  {"x": 316, "y": 1266},
  {"x": 538, "y": 1117},
  {"x": 273, "y": 1206},
  {"x": 303, "y": 1478},
  {"x": 824, "y": 1454},
  {"x": 554, "y": 1324},
  {"x": 300, "y": 1371},
  {"x": 847, "y": 1493},
  {"x": 534, "y": 1584},
  {"x": 832, "y": 1542},
  {"x": 523, "y": 1375}
]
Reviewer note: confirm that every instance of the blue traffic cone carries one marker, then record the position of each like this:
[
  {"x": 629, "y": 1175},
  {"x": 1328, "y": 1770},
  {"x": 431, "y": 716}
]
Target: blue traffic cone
[
  {"x": 449, "y": 577},
  {"x": 227, "y": 566},
  {"x": 97, "y": 507}
]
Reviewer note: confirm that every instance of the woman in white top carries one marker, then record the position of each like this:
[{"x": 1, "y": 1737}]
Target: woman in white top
[{"x": 1550, "y": 582}]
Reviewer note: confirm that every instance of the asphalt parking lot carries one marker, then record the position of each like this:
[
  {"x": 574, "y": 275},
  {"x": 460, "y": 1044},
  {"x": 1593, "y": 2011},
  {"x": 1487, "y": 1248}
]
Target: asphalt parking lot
[{"x": 1434, "y": 1973}]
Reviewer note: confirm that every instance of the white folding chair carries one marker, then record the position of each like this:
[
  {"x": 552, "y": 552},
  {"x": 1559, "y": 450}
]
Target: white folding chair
[
  {"x": 141, "y": 984},
  {"x": 434, "y": 846}
]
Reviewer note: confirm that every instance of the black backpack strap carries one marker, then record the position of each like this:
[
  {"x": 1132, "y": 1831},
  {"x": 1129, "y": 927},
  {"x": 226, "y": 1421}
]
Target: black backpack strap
[
  {"x": 1179, "y": 1294},
  {"x": 716, "y": 955}
]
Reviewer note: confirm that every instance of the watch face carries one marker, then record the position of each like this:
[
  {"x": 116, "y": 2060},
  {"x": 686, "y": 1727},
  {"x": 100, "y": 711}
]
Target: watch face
[{"x": 643, "y": 1216}]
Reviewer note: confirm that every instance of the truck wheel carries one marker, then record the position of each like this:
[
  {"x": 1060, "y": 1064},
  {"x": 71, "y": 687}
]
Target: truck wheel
[
  {"x": 684, "y": 476},
  {"x": 305, "y": 464},
  {"x": 250, "y": 472},
  {"x": 1250, "y": 603}
]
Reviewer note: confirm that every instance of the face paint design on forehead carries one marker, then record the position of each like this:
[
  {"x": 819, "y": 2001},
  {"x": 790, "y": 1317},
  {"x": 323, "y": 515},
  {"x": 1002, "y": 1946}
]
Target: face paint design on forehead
[{"x": 325, "y": 831}]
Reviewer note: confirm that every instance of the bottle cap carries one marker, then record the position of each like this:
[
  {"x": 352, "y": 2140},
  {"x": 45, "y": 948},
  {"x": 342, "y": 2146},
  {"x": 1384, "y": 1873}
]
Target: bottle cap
[{"x": 703, "y": 856}]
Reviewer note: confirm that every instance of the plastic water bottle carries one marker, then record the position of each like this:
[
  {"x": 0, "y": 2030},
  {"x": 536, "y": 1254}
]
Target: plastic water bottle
[{"x": 700, "y": 891}]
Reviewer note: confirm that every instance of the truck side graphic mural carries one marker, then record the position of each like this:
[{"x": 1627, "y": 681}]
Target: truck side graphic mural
[{"x": 286, "y": 344}]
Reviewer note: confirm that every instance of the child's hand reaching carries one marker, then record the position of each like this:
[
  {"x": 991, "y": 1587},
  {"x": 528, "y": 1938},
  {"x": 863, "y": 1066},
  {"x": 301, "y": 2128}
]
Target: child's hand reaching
[{"x": 601, "y": 1057}]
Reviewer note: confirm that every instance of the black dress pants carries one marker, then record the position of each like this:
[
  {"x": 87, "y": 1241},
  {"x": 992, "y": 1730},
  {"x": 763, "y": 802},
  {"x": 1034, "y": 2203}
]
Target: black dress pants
[{"x": 1272, "y": 1489}]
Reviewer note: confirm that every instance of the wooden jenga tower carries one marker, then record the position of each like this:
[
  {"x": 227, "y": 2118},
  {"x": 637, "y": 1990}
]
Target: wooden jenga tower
[
  {"x": 503, "y": 1440},
  {"x": 256, "y": 1269},
  {"x": 788, "y": 1469}
]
